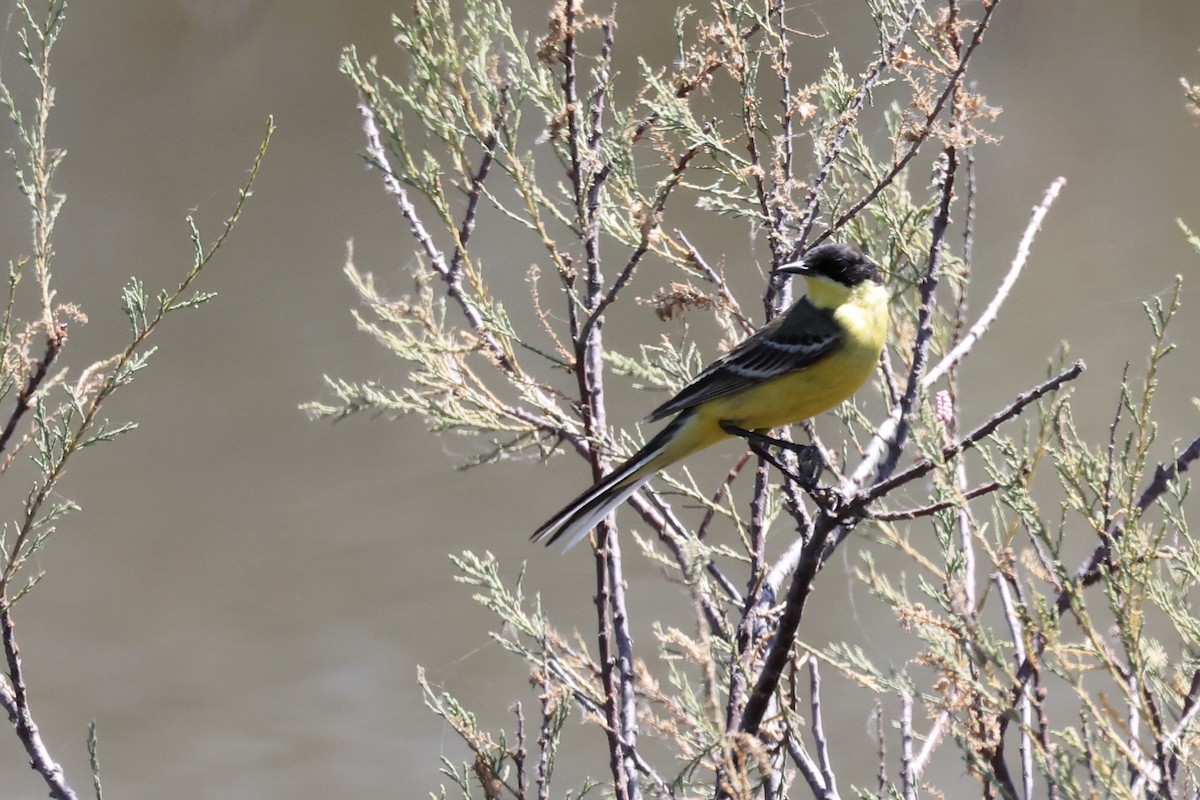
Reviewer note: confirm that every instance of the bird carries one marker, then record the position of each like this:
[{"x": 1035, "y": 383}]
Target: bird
[{"x": 805, "y": 361}]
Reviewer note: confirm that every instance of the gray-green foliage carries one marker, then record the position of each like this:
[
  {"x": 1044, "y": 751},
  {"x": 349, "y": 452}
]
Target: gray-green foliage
[
  {"x": 1050, "y": 678},
  {"x": 53, "y": 413}
]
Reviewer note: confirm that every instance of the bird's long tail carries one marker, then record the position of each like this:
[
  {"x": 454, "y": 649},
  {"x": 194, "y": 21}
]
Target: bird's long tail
[{"x": 586, "y": 511}]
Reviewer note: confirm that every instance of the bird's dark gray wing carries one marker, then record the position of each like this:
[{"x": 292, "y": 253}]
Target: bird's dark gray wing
[{"x": 794, "y": 340}]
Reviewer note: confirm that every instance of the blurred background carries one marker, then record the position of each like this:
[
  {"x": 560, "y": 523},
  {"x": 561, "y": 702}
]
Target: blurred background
[{"x": 243, "y": 601}]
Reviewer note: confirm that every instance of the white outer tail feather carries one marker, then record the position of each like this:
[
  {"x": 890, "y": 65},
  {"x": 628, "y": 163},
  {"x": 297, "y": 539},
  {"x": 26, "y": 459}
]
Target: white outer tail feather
[
  {"x": 576, "y": 530},
  {"x": 567, "y": 525}
]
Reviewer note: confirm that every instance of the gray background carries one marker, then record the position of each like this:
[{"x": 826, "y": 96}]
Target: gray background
[{"x": 245, "y": 597}]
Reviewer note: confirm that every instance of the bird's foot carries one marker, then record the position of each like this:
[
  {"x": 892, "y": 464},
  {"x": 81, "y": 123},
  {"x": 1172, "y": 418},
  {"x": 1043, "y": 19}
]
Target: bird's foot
[{"x": 810, "y": 464}]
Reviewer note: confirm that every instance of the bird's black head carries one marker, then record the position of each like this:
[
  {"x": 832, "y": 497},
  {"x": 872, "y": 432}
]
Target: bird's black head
[{"x": 843, "y": 263}]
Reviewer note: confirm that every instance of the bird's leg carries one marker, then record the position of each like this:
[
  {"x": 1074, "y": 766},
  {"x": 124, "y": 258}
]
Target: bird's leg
[{"x": 808, "y": 456}]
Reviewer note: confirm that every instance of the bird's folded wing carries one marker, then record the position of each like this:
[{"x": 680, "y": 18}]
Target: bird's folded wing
[{"x": 793, "y": 341}]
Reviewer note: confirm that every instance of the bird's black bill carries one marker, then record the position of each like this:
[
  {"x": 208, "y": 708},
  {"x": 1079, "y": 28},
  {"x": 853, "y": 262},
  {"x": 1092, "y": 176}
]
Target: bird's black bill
[{"x": 794, "y": 268}]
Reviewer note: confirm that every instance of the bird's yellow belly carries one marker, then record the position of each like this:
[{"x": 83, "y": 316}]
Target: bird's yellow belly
[{"x": 793, "y": 397}]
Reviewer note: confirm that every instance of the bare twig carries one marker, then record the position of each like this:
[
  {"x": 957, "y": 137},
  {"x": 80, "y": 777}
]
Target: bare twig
[
  {"x": 55, "y": 338},
  {"x": 545, "y": 729},
  {"x": 1191, "y": 705},
  {"x": 1010, "y": 411},
  {"x": 519, "y": 754},
  {"x": 977, "y": 330},
  {"x": 933, "y": 508},
  {"x": 592, "y": 706},
  {"x": 1090, "y": 570},
  {"x": 809, "y": 770},
  {"x": 968, "y": 247},
  {"x": 587, "y": 173},
  {"x": 881, "y": 780},
  {"x": 782, "y": 183},
  {"x": 908, "y": 780},
  {"x": 377, "y": 155},
  {"x": 1111, "y": 451},
  {"x": 475, "y": 194},
  {"x": 933, "y": 739},
  {"x": 717, "y": 280},
  {"x": 1016, "y": 632},
  {"x": 15, "y": 698},
  {"x": 643, "y": 246},
  {"x": 752, "y": 628},
  {"x": 948, "y": 168},
  {"x": 719, "y": 496},
  {"x": 818, "y": 728},
  {"x": 810, "y": 560}
]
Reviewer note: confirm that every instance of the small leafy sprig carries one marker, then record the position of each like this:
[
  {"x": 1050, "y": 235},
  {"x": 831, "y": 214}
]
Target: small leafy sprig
[{"x": 53, "y": 415}]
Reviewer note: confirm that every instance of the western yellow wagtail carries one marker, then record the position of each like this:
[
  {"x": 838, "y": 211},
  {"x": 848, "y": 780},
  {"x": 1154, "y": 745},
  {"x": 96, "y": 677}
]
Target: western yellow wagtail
[{"x": 805, "y": 361}]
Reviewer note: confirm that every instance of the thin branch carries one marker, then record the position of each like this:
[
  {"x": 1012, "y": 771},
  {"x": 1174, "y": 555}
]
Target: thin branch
[
  {"x": 1191, "y": 705},
  {"x": 783, "y": 182},
  {"x": 1111, "y": 451},
  {"x": 519, "y": 755},
  {"x": 818, "y": 728},
  {"x": 719, "y": 496},
  {"x": 948, "y": 168},
  {"x": 908, "y": 780},
  {"x": 627, "y": 697},
  {"x": 1016, "y": 632},
  {"x": 810, "y": 561},
  {"x": 849, "y": 116},
  {"x": 808, "y": 769},
  {"x": 648, "y": 227},
  {"x": 377, "y": 156},
  {"x": 545, "y": 730},
  {"x": 591, "y": 706},
  {"x": 119, "y": 367},
  {"x": 717, "y": 280},
  {"x": 475, "y": 194},
  {"x": 926, "y": 130},
  {"x": 924, "y": 467},
  {"x": 613, "y": 636},
  {"x": 55, "y": 338},
  {"x": 15, "y": 698},
  {"x": 968, "y": 247},
  {"x": 753, "y": 627},
  {"x": 933, "y": 508},
  {"x": 1037, "y": 695},
  {"x": 937, "y": 731},
  {"x": 881, "y": 780},
  {"x": 977, "y": 330},
  {"x": 1089, "y": 572}
]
